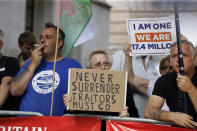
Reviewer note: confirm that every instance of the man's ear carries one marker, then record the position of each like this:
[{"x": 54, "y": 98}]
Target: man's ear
[
  {"x": 61, "y": 43},
  {"x": 195, "y": 57}
]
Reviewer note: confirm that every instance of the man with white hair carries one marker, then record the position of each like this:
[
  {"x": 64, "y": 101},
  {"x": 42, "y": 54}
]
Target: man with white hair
[{"x": 169, "y": 87}]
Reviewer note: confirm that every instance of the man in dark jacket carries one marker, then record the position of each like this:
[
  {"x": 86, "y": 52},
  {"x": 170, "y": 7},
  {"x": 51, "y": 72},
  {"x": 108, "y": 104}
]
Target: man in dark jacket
[{"x": 9, "y": 67}]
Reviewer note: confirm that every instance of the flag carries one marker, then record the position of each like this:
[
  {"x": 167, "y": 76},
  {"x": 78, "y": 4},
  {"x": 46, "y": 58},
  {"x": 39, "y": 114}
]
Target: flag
[
  {"x": 88, "y": 33},
  {"x": 75, "y": 18}
]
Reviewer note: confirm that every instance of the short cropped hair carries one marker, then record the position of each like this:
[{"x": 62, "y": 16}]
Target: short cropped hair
[
  {"x": 88, "y": 62},
  {"x": 61, "y": 32},
  {"x": 183, "y": 37},
  {"x": 26, "y": 38},
  {"x": 187, "y": 43}
]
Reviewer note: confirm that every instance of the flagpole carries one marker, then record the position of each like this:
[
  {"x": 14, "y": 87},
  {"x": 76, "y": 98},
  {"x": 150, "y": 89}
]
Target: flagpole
[
  {"x": 55, "y": 59},
  {"x": 180, "y": 57}
]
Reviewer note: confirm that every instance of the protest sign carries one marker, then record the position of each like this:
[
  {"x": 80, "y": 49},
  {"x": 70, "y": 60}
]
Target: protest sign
[
  {"x": 151, "y": 36},
  {"x": 97, "y": 90}
]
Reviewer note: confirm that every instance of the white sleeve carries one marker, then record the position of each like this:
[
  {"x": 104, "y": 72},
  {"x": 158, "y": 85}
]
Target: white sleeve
[
  {"x": 118, "y": 61},
  {"x": 165, "y": 107},
  {"x": 151, "y": 85}
]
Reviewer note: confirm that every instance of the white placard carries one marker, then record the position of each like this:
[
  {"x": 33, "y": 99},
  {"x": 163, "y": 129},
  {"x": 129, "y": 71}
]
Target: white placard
[{"x": 151, "y": 36}]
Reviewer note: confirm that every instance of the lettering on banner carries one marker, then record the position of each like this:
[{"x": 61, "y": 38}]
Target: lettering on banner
[
  {"x": 149, "y": 26},
  {"x": 154, "y": 46},
  {"x": 151, "y": 36},
  {"x": 22, "y": 128},
  {"x": 95, "y": 91}
]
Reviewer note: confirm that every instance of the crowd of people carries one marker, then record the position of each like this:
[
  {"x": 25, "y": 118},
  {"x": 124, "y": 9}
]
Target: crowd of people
[{"x": 150, "y": 93}]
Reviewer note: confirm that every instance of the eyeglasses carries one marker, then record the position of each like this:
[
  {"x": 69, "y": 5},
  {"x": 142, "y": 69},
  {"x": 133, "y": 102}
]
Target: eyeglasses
[
  {"x": 100, "y": 64},
  {"x": 166, "y": 67}
]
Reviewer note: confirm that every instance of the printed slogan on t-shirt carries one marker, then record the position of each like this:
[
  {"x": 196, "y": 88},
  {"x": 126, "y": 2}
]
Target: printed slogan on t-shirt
[
  {"x": 151, "y": 36},
  {"x": 97, "y": 90}
]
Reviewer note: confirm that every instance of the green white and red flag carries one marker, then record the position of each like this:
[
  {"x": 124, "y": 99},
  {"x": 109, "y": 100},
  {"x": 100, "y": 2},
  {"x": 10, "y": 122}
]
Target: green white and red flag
[{"x": 75, "y": 21}]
